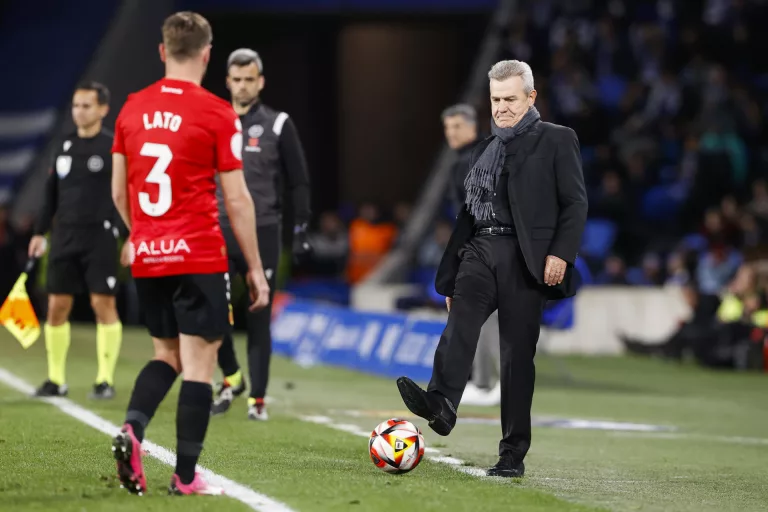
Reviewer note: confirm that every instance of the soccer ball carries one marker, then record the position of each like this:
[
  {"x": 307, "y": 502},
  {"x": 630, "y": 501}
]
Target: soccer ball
[{"x": 396, "y": 446}]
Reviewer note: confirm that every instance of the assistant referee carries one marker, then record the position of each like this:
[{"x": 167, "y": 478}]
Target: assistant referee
[
  {"x": 84, "y": 226},
  {"x": 272, "y": 157}
]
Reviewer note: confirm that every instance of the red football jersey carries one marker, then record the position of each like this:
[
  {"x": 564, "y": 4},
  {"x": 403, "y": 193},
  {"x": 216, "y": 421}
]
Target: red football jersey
[{"x": 175, "y": 136}]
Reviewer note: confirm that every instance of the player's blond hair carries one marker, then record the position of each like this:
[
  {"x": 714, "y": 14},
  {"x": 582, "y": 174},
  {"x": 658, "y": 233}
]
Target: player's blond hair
[{"x": 185, "y": 35}]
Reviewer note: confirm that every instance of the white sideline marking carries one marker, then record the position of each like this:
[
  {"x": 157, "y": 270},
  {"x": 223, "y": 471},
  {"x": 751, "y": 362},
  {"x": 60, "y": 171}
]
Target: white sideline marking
[
  {"x": 455, "y": 463},
  {"x": 241, "y": 493}
]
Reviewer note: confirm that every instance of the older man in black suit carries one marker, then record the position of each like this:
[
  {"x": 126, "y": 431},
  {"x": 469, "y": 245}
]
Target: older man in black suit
[{"x": 513, "y": 247}]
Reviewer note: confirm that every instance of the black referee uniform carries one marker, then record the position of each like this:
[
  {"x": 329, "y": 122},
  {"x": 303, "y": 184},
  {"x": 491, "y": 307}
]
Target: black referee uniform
[
  {"x": 83, "y": 253},
  {"x": 273, "y": 158}
]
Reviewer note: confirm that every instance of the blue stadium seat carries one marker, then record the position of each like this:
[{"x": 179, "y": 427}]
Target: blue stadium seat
[
  {"x": 611, "y": 89},
  {"x": 695, "y": 242},
  {"x": 599, "y": 235},
  {"x": 560, "y": 314}
]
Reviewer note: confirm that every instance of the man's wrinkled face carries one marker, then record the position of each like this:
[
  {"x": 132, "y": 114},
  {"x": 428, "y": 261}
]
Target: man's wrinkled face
[
  {"x": 509, "y": 101},
  {"x": 245, "y": 83}
]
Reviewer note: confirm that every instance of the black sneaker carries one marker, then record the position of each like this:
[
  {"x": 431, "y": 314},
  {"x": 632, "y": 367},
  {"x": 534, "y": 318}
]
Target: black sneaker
[
  {"x": 225, "y": 396},
  {"x": 435, "y": 408},
  {"x": 48, "y": 388},
  {"x": 102, "y": 391},
  {"x": 507, "y": 467}
]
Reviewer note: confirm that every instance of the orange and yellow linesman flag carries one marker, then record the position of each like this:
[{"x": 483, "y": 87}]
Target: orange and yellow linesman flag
[{"x": 17, "y": 313}]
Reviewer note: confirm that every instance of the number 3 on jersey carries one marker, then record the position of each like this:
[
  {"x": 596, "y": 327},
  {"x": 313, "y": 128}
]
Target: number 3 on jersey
[{"x": 157, "y": 175}]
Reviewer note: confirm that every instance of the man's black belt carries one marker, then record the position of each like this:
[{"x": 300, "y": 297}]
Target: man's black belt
[{"x": 494, "y": 231}]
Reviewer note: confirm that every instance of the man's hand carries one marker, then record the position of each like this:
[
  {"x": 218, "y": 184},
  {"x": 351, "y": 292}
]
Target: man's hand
[
  {"x": 448, "y": 303},
  {"x": 37, "y": 246},
  {"x": 258, "y": 289},
  {"x": 301, "y": 245},
  {"x": 554, "y": 271},
  {"x": 126, "y": 255}
]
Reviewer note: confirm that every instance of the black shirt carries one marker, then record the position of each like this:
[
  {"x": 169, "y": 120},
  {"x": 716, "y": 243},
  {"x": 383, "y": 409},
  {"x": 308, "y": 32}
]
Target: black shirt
[
  {"x": 502, "y": 215},
  {"x": 78, "y": 191}
]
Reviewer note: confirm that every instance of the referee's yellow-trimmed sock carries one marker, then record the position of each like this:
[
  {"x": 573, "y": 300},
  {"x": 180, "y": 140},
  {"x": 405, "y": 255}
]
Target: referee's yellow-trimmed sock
[
  {"x": 57, "y": 340},
  {"x": 235, "y": 379},
  {"x": 109, "y": 337}
]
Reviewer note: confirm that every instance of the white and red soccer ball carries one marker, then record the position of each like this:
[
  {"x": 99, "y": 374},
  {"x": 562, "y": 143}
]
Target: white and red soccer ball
[{"x": 396, "y": 446}]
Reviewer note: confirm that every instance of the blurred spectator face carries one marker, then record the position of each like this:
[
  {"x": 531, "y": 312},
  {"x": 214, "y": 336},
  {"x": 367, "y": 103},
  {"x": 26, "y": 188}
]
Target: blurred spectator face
[
  {"x": 603, "y": 152},
  {"x": 730, "y": 208},
  {"x": 459, "y": 131},
  {"x": 614, "y": 266},
  {"x": 509, "y": 102},
  {"x": 675, "y": 263},
  {"x": 86, "y": 111},
  {"x": 330, "y": 224},
  {"x": 369, "y": 212},
  {"x": 748, "y": 223},
  {"x": 651, "y": 264},
  {"x": 713, "y": 222},
  {"x": 760, "y": 190},
  {"x": 691, "y": 143},
  {"x": 611, "y": 184},
  {"x": 402, "y": 212},
  {"x": 636, "y": 166},
  {"x": 245, "y": 83}
]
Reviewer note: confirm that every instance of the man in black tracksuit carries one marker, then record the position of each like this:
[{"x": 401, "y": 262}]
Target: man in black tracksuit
[{"x": 272, "y": 156}]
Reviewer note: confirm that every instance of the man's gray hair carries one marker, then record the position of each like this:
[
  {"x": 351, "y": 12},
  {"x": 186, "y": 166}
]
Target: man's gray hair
[
  {"x": 508, "y": 68},
  {"x": 244, "y": 57},
  {"x": 468, "y": 112}
]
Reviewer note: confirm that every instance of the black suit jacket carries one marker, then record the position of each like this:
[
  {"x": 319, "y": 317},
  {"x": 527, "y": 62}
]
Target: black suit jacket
[{"x": 548, "y": 202}]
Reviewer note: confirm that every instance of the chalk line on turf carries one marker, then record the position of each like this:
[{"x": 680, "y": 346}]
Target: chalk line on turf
[
  {"x": 241, "y": 493},
  {"x": 432, "y": 454}
]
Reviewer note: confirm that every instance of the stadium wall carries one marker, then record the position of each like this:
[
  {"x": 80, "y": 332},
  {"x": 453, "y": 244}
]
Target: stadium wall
[{"x": 372, "y": 339}]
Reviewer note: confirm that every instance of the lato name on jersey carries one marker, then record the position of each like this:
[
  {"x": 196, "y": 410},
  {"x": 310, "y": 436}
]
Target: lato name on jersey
[{"x": 165, "y": 120}]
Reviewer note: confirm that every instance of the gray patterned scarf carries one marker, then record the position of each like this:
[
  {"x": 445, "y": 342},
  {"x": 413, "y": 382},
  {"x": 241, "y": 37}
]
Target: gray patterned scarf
[{"x": 481, "y": 181}]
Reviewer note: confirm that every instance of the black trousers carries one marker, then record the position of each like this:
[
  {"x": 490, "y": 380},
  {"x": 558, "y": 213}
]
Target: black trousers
[
  {"x": 258, "y": 323},
  {"x": 492, "y": 275}
]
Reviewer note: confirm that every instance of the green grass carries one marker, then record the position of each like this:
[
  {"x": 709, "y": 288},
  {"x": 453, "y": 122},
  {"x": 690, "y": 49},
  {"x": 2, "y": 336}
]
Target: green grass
[{"x": 712, "y": 462}]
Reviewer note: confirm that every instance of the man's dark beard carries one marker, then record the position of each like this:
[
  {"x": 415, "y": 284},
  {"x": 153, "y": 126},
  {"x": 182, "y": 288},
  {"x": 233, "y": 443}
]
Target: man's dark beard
[{"x": 250, "y": 103}]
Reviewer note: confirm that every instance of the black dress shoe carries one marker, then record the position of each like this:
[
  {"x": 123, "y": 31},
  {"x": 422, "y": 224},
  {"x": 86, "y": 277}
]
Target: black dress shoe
[
  {"x": 507, "y": 467},
  {"x": 434, "y": 408}
]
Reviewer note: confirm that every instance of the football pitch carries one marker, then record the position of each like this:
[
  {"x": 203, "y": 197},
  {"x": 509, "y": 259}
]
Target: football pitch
[{"x": 621, "y": 434}]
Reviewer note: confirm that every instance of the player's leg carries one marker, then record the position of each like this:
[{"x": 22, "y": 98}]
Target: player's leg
[
  {"x": 259, "y": 325},
  {"x": 64, "y": 280},
  {"x": 202, "y": 312},
  {"x": 154, "y": 380},
  {"x": 233, "y": 384},
  {"x": 100, "y": 268}
]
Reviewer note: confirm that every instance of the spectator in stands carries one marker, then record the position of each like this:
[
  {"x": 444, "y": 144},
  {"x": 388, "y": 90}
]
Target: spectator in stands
[
  {"x": 331, "y": 246},
  {"x": 614, "y": 273},
  {"x": 610, "y": 202},
  {"x": 460, "y": 127},
  {"x": 431, "y": 252},
  {"x": 751, "y": 232},
  {"x": 369, "y": 241},
  {"x": 677, "y": 272},
  {"x": 719, "y": 341},
  {"x": 759, "y": 204}
]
